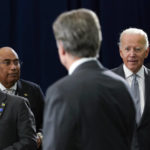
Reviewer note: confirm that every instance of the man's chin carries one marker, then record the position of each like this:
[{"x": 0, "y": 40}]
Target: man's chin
[
  {"x": 134, "y": 69},
  {"x": 12, "y": 80}
]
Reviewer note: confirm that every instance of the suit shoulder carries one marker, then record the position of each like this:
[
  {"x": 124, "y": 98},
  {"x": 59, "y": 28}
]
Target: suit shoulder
[
  {"x": 115, "y": 69},
  {"x": 115, "y": 78},
  {"x": 58, "y": 83},
  {"x": 16, "y": 99},
  {"x": 27, "y": 83}
]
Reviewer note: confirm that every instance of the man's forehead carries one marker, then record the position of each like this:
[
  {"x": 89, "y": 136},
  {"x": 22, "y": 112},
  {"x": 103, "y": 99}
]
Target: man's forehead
[
  {"x": 133, "y": 37},
  {"x": 8, "y": 59},
  {"x": 8, "y": 54}
]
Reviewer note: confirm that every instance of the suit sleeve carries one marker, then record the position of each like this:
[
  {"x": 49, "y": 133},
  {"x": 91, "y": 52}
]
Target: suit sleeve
[
  {"x": 25, "y": 128},
  {"x": 59, "y": 121},
  {"x": 40, "y": 105}
]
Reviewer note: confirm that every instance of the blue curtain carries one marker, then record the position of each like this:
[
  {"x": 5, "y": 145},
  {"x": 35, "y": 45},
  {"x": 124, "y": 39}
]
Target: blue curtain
[{"x": 26, "y": 25}]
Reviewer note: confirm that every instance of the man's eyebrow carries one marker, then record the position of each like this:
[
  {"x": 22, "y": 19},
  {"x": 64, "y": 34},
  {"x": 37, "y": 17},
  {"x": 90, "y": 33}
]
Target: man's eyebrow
[{"x": 10, "y": 59}]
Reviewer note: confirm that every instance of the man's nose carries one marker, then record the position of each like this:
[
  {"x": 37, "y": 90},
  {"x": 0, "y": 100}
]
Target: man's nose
[
  {"x": 12, "y": 65},
  {"x": 132, "y": 52}
]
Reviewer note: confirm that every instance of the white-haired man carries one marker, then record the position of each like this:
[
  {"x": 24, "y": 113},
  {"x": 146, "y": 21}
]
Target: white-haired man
[{"x": 134, "y": 48}]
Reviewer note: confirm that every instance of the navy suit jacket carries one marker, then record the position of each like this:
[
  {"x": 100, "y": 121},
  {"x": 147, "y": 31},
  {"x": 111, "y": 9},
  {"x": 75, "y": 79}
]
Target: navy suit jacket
[
  {"x": 91, "y": 109},
  {"x": 143, "y": 129},
  {"x": 17, "y": 124},
  {"x": 35, "y": 96}
]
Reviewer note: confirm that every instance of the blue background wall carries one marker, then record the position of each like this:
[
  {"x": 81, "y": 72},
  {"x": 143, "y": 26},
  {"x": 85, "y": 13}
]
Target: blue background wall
[{"x": 26, "y": 26}]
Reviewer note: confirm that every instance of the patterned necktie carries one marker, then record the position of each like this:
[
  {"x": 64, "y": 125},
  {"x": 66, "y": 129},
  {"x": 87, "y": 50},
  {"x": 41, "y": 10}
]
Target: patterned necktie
[{"x": 136, "y": 94}]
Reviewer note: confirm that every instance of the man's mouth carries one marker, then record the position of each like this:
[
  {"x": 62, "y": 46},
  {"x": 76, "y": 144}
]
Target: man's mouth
[
  {"x": 132, "y": 61},
  {"x": 13, "y": 74}
]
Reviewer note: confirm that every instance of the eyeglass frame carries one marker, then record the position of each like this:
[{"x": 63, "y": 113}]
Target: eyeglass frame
[{"x": 7, "y": 62}]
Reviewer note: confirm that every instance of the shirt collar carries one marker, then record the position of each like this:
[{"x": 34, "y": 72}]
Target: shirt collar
[
  {"x": 79, "y": 62},
  {"x": 14, "y": 87},
  {"x": 128, "y": 73}
]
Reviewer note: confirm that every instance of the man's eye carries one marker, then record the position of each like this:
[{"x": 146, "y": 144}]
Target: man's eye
[
  {"x": 16, "y": 62},
  {"x": 127, "y": 48},
  {"x": 7, "y": 63},
  {"x": 138, "y": 49}
]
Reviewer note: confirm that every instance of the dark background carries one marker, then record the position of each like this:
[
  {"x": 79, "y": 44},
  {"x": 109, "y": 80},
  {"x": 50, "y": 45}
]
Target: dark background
[{"x": 26, "y": 26}]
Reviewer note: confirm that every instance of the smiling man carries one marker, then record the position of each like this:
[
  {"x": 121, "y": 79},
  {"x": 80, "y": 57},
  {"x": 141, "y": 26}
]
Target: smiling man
[{"x": 134, "y": 48}]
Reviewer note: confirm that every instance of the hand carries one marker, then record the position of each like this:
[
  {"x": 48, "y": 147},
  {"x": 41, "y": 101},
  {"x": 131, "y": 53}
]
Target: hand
[{"x": 39, "y": 139}]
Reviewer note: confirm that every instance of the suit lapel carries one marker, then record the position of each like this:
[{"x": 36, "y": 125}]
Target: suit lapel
[
  {"x": 147, "y": 95},
  {"x": 2, "y": 97},
  {"x": 147, "y": 86},
  {"x": 119, "y": 71},
  {"x": 20, "y": 90}
]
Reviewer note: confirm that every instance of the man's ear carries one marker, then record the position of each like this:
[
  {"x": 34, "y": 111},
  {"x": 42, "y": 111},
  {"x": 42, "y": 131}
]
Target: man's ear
[
  {"x": 120, "y": 51},
  {"x": 61, "y": 50},
  {"x": 62, "y": 53},
  {"x": 147, "y": 52}
]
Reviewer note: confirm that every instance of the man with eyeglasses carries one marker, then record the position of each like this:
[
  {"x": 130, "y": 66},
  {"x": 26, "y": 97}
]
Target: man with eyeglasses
[
  {"x": 134, "y": 48},
  {"x": 11, "y": 83}
]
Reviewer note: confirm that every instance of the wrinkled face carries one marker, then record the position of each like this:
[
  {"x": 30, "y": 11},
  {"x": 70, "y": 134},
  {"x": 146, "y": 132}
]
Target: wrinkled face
[
  {"x": 9, "y": 67},
  {"x": 133, "y": 51}
]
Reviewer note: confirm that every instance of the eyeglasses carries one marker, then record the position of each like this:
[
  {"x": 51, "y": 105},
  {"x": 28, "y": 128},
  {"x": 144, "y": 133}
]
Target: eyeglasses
[{"x": 8, "y": 62}]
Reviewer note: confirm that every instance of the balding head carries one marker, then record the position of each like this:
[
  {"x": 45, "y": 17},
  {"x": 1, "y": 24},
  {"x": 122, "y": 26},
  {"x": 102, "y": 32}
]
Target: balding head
[
  {"x": 7, "y": 51},
  {"x": 9, "y": 67}
]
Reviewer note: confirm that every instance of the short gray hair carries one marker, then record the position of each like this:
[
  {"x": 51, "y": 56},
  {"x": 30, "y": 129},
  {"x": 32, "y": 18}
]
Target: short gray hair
[
  {"x": 135, "y": 31},
  {"x": 79, "y": 31}
]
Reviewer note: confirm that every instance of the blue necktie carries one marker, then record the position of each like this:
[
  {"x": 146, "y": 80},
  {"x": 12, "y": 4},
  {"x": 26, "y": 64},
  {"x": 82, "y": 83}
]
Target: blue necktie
[{"x": 136, "y": 94}]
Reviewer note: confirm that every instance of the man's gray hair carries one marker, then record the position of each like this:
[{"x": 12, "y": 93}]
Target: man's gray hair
[
  {"x": 135, "y": 31},
  {"x": 79, "y": 31}
]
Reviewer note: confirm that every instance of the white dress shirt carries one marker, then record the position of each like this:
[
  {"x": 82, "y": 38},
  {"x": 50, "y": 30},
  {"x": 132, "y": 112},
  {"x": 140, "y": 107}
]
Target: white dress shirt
[
  {"x": 11, "y": 90},
  {"x": 141, "y": 82}
]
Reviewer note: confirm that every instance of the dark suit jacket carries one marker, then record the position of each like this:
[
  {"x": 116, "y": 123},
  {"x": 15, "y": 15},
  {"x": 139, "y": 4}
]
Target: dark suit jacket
[
  {"x": 147, "y": 65},
  {"x": 89, "y": 110},
  {"x": 35, "y": 96},
  {"x": 17, "y": 124},
  {"x": 143, "y": 129}
]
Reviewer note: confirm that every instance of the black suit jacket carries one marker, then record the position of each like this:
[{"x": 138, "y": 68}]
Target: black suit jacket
[
  {"x": 17, "y": 125},
  {"x": 35, "y": 96},
  {"x": 143, "y": 129},
  {"x": 88, "y": 110}
]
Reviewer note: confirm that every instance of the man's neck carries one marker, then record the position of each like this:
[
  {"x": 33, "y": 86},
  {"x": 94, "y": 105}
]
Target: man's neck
[
  {"x": 78, "y": 62},
  {"x": 70, "y": 61},
  {"x": 7, "y": 85}
]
